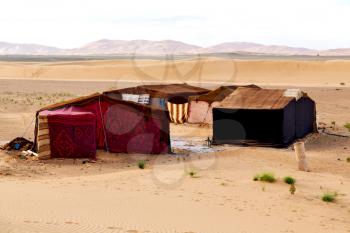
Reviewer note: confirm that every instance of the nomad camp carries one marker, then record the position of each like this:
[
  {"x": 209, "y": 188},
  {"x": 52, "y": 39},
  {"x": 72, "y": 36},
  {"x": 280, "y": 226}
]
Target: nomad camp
[{"x": 137, "y": 119}]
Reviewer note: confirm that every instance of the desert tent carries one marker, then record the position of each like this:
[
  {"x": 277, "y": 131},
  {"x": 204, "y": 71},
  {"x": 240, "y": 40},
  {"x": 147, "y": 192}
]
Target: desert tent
[
  {"x": 201, "y": 106},
  {"x": 78, "y": 127},
  {"x": 173, "y": 97},
  {"x": 264, "y": 117}
]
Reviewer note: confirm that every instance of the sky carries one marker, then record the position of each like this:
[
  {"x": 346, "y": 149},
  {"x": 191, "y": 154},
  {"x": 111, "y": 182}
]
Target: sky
[{"x": 316, "y": 24}]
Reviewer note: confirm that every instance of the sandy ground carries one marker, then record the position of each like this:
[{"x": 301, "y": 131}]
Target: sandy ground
[
  {"x": 114, "y": 195},
  {"x": 202, "y": 70}
]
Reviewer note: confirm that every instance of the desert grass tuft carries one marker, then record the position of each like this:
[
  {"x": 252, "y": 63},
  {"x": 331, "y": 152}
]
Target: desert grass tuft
[
  {"x": 267, "y": 177},
  {"x": 347, "y": 125},
  {"x": 289, "y": 180},
  {"x": 141, "y": 164},
  {"x": 329, "y": 197}
]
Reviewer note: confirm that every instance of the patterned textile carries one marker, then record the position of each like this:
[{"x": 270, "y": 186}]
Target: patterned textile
[
  {"x": 131, "y": 97},
  {"x": 159, "y": 103},
  {"x": 118, "y": 127},
  {"x": 98, "y": 109},
  {"x": 178, "y": 112},
  {"x": 72, "y": 134},
  {"x": 43, "y": 138},
  {"x": 129, "y": 131},
  {"x": 144, "y": 99},
  {"x": 198, "y": 111}
]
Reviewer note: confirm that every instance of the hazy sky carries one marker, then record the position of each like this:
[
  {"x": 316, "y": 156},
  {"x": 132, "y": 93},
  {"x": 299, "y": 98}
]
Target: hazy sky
[{"x": 317, "y": 24}]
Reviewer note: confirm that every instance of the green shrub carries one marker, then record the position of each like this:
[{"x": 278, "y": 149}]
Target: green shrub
[
  {"x": 329, "y": 197},
  {"x": 347, "y": 125},
  {"x": 267, "y": 177},
  {"x": 289, "y": 180},
  {"x": 141, "y": 164}
]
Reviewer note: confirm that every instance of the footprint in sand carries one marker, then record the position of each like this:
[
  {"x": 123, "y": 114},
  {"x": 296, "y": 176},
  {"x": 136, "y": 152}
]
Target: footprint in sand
[{"x": 114, "y": 228}]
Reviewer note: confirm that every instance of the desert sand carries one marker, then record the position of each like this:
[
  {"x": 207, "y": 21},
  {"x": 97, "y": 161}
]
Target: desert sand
[
  {"x": 114, "y": 195},
  {"x": 202, "y": 70}
]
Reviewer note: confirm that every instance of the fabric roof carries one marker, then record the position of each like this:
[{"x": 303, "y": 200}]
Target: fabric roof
[
  {"x": 171, "y": 89},
  {"x": 96, "y": 96},
  {"x": 254, "y": 98},
  {"x": 163, "y": 90},
  {"x": 218, "y": 94}
]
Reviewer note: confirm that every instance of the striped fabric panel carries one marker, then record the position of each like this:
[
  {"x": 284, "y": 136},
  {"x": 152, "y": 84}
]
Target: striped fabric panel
[
  {"x": 43, "y": 126},
  {"x": 178, "y": 112},
  {"x": 43, "y": 138},
  {"x": 43, "y": 119},
  {"x": 45, "y": 141}
]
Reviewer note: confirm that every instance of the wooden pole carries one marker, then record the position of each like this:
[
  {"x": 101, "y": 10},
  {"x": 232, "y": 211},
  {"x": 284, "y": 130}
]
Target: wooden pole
[{"x": 299, "y": 148}]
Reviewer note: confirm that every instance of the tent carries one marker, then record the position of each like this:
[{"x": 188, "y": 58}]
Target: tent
[
  {"x": 201, "y": 106},
  {"x": 78, "y": 127},
  {"x": 263, "y": 117},
  {"x": 172, "y": 97}
]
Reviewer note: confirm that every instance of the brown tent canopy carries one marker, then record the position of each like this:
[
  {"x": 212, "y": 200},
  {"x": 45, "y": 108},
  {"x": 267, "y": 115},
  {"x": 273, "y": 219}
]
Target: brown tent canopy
[
  {"x": 173, "y": 97},
  {"x": 200, "y": 107},
  {"x": 253, "y": 98},
  {"x": 162, "y": 91},
  {"x": 266, "y": 117},
  {"x": 218, "y": 94}
]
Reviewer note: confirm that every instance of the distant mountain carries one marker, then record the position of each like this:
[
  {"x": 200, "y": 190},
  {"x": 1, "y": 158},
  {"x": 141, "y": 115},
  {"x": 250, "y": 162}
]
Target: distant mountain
[
  {"x": 336, "y": 52},
  {"x": 141, "y": 47},
  {"x": 164, "y": 47},
  {"x": 27, "y": 49},
  {"x": 244, "y": 47}
]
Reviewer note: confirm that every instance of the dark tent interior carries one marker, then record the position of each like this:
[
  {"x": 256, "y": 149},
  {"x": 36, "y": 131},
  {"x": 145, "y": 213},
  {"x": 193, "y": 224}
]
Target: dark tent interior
[{"x": 277, "y": 127}]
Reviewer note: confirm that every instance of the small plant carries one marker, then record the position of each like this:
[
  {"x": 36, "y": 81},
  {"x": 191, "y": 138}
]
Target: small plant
[
  {"x": 267, "y": 177},
  {"x": 141, "y": 164},
  {"x": 348, "y": 159},
  {"x": 342, "y": 84},
  {"x": 289, "y": 180},
  {"x": 329, "y": 197},
  {"x": 347, "y": 125},
  {"x": 192, "y": 174},
  {"x": 292, "y": 189}
]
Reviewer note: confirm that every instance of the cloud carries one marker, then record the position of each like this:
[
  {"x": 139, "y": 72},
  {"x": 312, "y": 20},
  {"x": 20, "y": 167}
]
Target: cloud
[{"x": 65, "y": 23}]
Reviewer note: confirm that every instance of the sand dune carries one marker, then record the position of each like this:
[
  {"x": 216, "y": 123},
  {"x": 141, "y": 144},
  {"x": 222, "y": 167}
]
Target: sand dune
[{"x": 273, "y": 72}]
